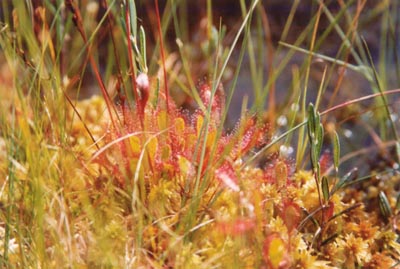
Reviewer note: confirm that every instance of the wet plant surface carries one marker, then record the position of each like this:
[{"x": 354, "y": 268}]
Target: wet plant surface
[{"x": 195, "y": 134}]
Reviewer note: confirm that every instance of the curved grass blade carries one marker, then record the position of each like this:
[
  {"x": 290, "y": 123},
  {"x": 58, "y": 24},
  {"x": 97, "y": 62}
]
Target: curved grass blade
[
  {"x": 344, "y": 180},
  {"x": 384, "y": 206}
]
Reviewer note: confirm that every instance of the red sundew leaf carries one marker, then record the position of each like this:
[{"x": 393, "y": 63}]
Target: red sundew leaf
[
  {"x": 281, "y": 174},
  {"x": 278, "y": 171},
  {"x": 325, "y": 161},
  {"x": 247, "y": 140},
  {"x": 178, "y": 143},
  {"x": 269, "y": 176},
  {"x": 251, "y": 136},
  {"x": 226, "y": 174},
  {"x": 269, "y": 172},
  {"x": 290, "y": 213},
  {"x": 328, "y": 212},
  {"x": 237, "y": 227},
  {"x": 180, "y": 125},
  {"x": 275, "y": 252},
  {"x": 222, "y": 144}
]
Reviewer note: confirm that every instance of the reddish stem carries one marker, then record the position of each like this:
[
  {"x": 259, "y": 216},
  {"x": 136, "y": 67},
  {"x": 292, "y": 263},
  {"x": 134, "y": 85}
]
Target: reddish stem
[
  {"x": 357, "y": 100},
  {"x": 77, "y": 19}
]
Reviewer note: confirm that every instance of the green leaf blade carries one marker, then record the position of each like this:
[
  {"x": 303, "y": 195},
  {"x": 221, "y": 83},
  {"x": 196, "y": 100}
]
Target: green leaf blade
[
  {"x": 384, "y": 206},
  {"x": 325, "y": 188},
  {"x": 336, "y": 150}
]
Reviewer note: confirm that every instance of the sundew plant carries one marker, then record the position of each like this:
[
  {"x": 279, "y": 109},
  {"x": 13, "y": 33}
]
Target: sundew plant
[{"x": 199, "y": 134}]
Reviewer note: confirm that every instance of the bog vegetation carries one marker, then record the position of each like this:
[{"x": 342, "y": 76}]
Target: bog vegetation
[{"x": 153, "y": 171}]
